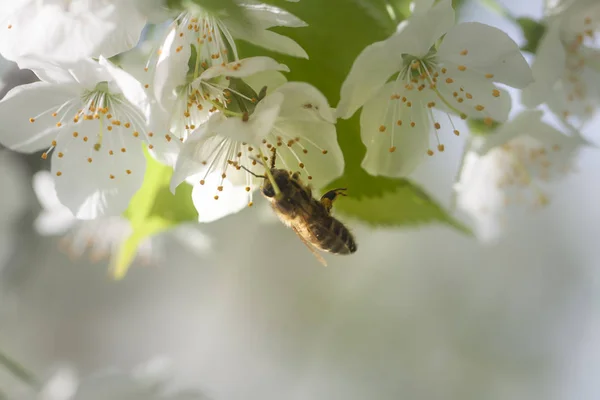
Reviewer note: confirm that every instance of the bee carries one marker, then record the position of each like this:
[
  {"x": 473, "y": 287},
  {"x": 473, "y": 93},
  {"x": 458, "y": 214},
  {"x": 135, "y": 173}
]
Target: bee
[{"x": 310, "y": 218}]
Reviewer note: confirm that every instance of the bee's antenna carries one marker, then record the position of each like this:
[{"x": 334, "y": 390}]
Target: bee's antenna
[
  {"x": 273, "y": 157},
  {"x": 252, "y": 173}
]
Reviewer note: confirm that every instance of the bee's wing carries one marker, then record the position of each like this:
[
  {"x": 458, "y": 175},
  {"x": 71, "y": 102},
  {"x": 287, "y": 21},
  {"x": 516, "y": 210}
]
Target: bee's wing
[{"x": 310, "y": 247}]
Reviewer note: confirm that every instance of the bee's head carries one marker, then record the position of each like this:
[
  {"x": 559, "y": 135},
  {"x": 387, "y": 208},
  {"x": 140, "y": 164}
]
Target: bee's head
[{"x": 281, "y": 178}]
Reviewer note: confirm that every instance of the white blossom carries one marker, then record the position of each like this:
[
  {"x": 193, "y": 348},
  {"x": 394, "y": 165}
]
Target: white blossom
[
  {"x": 102, "y": 238},
  {"x": 456, "y": 76},
  {"x": 146, "y": 382},
  {"x": 190, "y": 98},
  {"x": 91, "y": 117},
  {"x": 188, "y": 74},
  {"x": 67, "y": 30},
  {"x": 513, "y": 166},
  {"x": 567, "y": 63},
  {"x": 294, "y": 118}
]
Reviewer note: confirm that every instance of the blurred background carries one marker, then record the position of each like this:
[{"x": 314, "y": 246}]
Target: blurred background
[{"x": 422, "y": 313}]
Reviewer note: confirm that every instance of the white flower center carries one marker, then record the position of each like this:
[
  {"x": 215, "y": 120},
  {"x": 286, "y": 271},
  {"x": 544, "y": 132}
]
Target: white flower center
[
  {"x": 102, "y": 238},
  {"x": 429, "y": 84},
  {"x": 582, "y": 58},
  {"x": 97, "y": 121},
  {"x": 525, "y": 164},
  {"x": 230, "y": 158}
]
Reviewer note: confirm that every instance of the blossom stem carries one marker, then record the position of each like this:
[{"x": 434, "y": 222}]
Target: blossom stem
[{"x": 19, "y": 371}]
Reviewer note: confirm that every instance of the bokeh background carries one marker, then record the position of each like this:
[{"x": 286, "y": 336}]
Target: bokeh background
[{"x": 416, "y": 313}]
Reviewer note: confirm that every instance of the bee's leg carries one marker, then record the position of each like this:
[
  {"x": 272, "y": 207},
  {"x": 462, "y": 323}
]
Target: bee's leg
[{"x": 328, "y": 198}]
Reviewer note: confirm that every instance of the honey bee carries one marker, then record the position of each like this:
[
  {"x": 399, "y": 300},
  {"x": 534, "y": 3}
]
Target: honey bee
[{"x": 310, "y": 218}]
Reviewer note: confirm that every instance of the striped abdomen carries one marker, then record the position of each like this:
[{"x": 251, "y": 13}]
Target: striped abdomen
[{"x": 332, "y": 236}]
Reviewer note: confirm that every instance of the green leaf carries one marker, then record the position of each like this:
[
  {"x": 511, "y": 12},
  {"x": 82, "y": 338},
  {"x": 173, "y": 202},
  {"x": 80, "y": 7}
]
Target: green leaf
[
  {"x": 391, "y": 202},
  {"x": 338, "y": 31},
  {"x": 533, "y": 32},
  {"x": 153, "y": 209}
]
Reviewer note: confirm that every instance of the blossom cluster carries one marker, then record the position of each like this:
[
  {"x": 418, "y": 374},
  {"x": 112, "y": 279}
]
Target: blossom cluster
[{"x": 213, "y": 116}]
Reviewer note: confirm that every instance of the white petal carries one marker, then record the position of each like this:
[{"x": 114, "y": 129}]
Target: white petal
[
  {"x": 54, "y": 218},
  {"x": 479, "y": 196},
  {"x": 573, "y": 18},
  {"x": 523, "y": 123},
  {"x": 166, "y": 151},
  {"x": 261, "y": 17},
  {"x": 199, "y": 147},
  {"x": 127, "y": 24},
  {"x": 28, "y": 101},
  {"x": 323, "y": 160},
  {"x": 272, "y": 41},
  {"x": 171, "y": 68},
  {"x": 156, "y": 11},
  {"x": 259, "y": 124},
  {"x": 195, "y": 240},
  {"x": 104, "y": 186},
  {"x": 231, "y": 199},
  {"x": 489, "y": 51},
  {"x": 130, "y": 87},
  {"x": 369, "y": 72},
  {"x": 528, "y": 128},
  {"x": 267, "y": 16},
  {"x": 51, "y": 30},
  {"x": 420, "y": 6},
  {"x": 46, "y": 70},
  {"x": 243, "y": 67},
  {"x": 424, "y": 29},
  {"x": 87, "y": 72},
  {"x": 548, "y": 66},
  {"x": 303, "y": 101},
  {"x": 411, "y": 143},
  {"x": 378, "y": 61},
  {"x": 271, "y": 79},
  {"x": 476, "y": 96},
  {"x": 62, "y": 386}
]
